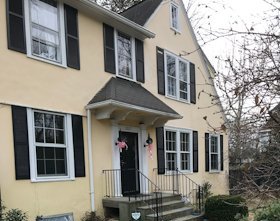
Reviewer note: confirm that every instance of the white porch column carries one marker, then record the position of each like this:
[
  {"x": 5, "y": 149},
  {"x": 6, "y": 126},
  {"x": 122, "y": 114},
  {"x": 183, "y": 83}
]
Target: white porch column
[{"x": 143, "y": 158}]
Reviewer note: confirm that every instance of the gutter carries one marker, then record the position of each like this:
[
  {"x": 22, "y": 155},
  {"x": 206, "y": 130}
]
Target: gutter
[
  {"x": 91, "y": 178},
  {"x": 115, "y": 16}
]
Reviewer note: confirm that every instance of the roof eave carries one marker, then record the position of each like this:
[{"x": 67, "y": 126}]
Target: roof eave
[
  {"x": 112, "y": 18},
  {"x": 133, "y": 107}
]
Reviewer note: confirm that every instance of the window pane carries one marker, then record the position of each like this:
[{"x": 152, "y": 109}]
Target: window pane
[
  {"x": 49, "y": 120},
  {"x": 60, "y": 167},
  {"x": 185, "y": 161},
  {"x": 50, "y": 167},
  {"x": 171, "y": 161},
  {"x": 214, "y": 161},
  {"x": 60, "y": 153},
  {"x": 59, "y": 135},
  {"x": 170, "y": 141},
  {"x": 183, "y": 74},
  {"x": 49, "y": 134},
  {"x": 124, "y": 55},
  {"x": 41, "y": 167},
  {"x": 171, "y": 86},
  {"x": 174, "y": 12},
  {"x": 171, "y": 68},
  {"x": 40, "y": 153},
  {"x": 39, "y": 135},
  {"x": 184, "y": 141},
  {"x": 49, "y": 153},
  {"x": 59, "y": 122},
  {"x": 214, "y": 144},
  {"x": 45, "y": 29},
  {"x": 39, "y": 119}
]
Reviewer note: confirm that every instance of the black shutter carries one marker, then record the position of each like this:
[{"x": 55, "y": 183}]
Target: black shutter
[
  {"x": 15, "y": 25},
  {"x": 139, "y": 52},
  {"x": 160, "y": 71},
  {"x": 195, "y": 151},
  {"x": 207, "y": 151},
  {"x": 109, "y": 49},
  {"x": 21, "y": 145},
  {"x": 72, "y": 37},
  {"x": 192, "y": 83},
  {"x": 160, "y": 150},
  {"x": 222, "y": 151},
  {"x": 78, "y": 143}
]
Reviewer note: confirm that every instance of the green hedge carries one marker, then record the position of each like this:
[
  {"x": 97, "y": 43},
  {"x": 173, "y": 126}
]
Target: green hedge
[
  {"x": 269, "y": 213},
  {"x": 224, "y": 208}
]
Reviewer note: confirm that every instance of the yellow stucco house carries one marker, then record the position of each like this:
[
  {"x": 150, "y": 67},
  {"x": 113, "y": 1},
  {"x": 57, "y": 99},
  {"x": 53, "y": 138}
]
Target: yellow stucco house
[{"x": 98, "y": 106}]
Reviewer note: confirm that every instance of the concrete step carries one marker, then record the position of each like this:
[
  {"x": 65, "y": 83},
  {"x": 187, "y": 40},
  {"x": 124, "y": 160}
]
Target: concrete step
[
  {"x": 166, "y": 205},
  {"x": 189, "y": 218},
  {"x": 172, "y": 214}
]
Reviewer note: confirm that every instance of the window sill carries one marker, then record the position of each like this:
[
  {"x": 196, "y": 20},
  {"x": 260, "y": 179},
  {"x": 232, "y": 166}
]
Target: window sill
[
  {"x": 214, "y": 172},
  {"x": 126, "y": 78},
  {"x": 176, "y": 99},
  {"x": 52, "y": 179},
  {"x": 169, "y": 172},
  {"x": 47, "y": 61},
  {"x": 176, "y": 30}
]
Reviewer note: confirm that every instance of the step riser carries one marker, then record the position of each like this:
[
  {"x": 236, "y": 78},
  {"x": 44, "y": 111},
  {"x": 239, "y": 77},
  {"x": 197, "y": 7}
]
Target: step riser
[{"x": 173, "y": 216}]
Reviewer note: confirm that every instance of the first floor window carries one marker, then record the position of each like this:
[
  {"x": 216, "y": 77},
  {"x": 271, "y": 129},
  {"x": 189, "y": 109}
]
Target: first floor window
[
  {"x": 177, "y": 77},
  {"x": 178, "y": 149},
  {"x": 44, "y": 27},
  {"x": 51, "y": 144},
  {"x": 214, "y": 153},
  {"x": 66, "y": 217}
]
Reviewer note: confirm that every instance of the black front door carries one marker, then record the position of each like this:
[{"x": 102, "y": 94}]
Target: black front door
[{"x": 130, "y": 164}]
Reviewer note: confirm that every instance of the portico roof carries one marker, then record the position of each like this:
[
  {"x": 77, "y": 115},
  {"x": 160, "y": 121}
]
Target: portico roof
[{"x": 121, "y": 99}]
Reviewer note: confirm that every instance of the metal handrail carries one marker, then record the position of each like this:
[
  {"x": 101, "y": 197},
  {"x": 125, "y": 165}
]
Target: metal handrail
[
  {"x": 145, "y": 189},
  {"x": 179, "y": 183}
]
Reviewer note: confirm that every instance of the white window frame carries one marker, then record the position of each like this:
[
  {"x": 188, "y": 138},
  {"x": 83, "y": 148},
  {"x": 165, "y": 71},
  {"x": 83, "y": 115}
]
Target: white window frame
[
  {"x": 218, "y": 153},
  {"x": 62, "y": 50},
  {"x": 176, "y": 29},
  {"x": 133, "y": 58},
  {"x": 32, "y": 148},
  {"x": 178, "y": 147},
  {"x": 55, "y": 217},
  {"x": 177, "y": 75}
]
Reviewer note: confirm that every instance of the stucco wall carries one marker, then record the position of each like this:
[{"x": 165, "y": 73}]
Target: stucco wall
[{"x": 32, "y": 83}]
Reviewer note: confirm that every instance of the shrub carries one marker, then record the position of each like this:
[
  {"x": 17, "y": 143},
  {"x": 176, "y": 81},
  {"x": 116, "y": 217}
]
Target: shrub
[
  {"x": 225, "y": 208},
  {"x": 15, "y": 215},
  {"x": 269, "y": 213}
]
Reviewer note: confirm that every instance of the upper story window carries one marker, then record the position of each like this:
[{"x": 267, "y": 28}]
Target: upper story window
[
  {"x": 124, "y": 56},
  {"x": 177, "y": 77},
  {"x": 45, "y": 36},
  {"x": 46, "y": 30},
  {"x": 178, "y": 149},
  {"x": 174, "y": 14}
]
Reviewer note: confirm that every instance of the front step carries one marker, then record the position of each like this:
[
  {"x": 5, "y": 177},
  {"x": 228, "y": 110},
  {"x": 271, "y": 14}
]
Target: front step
[
  {"x": 172, "y": 214},
  {"x": 173, "y": 208}
]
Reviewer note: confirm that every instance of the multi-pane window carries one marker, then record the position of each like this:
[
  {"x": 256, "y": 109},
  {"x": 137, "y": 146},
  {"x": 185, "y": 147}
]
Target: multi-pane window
[
  {"x": 178, "y": 149},
  {"x": 124, "y": 56},
  {"x": 214, "y": 153},
  {"x": 171, "y": 150},
  {"x": 44, "y": 28},
  {"x": 49, "y": 134},
  {"x": 174, "y": 17},
  {"x": 177, "y": 77},
  {"x": 185, "y": 151}
]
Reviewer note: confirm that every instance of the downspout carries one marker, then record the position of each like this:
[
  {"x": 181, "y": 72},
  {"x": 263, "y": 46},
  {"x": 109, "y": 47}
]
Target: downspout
[{"x": 91, "y": 178}]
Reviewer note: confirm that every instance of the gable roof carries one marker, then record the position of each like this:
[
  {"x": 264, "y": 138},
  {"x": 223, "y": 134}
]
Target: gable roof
[
  {"x": 142, "y": 11},
  {"x": 131, "y": 93}
]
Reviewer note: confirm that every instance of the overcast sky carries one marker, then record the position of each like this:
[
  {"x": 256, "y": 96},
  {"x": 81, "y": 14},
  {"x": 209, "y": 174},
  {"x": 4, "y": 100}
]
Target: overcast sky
[{"x": 223, "y": 13}]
